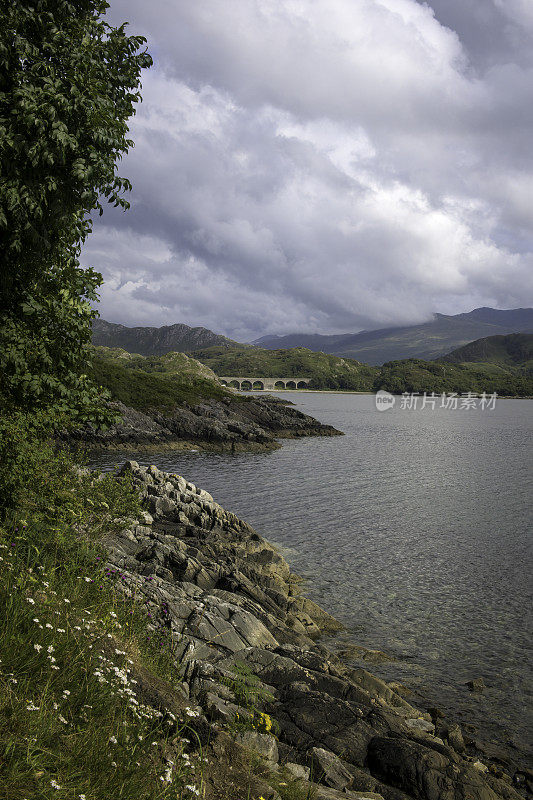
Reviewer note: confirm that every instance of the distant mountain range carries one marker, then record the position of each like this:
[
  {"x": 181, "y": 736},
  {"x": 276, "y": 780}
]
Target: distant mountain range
[
  {"x": 427, "y": 341},
  {"x": 156, "y": 341}
]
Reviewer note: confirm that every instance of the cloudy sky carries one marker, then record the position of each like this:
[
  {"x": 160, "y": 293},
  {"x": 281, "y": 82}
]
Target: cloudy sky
[{"x": 324, "y": 165}]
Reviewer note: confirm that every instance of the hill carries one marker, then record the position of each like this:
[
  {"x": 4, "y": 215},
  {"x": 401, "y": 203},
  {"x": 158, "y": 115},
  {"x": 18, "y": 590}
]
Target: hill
[
  {"x": 333, "y": 372},
  {"x": 173, "y": 401},
  {"x": 156, "y": 341},
  {"x": 427, "y": 341},
  {"x": 515, "y": 350},
  {"x": 415, "y": 375},
  {"x": 154, "y": 382},
  {"x": 326, "y": 371}
]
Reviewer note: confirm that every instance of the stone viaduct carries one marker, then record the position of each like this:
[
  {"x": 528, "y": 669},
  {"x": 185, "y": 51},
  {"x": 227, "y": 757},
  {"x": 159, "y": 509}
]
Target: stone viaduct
[{"x": 264, "y": 383}]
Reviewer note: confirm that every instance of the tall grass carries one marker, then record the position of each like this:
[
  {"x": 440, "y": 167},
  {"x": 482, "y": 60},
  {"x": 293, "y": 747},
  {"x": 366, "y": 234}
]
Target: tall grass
[{"x": 74, "y": 722}]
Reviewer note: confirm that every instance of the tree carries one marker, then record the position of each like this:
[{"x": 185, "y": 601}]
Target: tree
[{"x": 69, "y": 82}]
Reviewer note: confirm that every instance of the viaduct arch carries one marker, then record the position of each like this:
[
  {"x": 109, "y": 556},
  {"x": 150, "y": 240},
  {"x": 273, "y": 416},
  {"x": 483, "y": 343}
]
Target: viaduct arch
[{"x": 258, "y": 384}]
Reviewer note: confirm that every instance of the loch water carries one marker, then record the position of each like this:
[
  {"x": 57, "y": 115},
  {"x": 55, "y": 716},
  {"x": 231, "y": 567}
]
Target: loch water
[{"x": 414, "y": 530}]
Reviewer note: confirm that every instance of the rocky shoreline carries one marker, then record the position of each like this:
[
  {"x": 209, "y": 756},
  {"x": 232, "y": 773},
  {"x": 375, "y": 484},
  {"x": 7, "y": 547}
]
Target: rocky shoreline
[
  {"x": 232, "y": 424},
  {"x": 231, "y": 606}
]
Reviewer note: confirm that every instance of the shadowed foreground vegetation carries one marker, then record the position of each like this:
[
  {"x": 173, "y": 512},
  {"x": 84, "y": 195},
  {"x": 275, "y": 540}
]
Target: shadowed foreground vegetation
[{"x": 83, "y": 666}]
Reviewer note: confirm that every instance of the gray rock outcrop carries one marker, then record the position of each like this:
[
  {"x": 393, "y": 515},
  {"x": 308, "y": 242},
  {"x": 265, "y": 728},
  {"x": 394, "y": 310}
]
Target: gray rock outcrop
[
  {"x": 230, "y": 424},
  {"x": 231, "y": 607}
]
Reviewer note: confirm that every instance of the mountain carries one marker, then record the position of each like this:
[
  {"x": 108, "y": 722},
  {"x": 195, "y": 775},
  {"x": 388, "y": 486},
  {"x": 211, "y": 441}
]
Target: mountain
[
  {"x": 156, "y": 341},
  {"x": 514, "y": 350},
  {"x": 428, "y": 340}
]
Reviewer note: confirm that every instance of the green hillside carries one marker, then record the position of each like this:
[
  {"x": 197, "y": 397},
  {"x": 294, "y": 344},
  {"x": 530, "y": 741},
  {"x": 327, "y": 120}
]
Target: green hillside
[
  {"x": 327, "y": 371},
  {"x": 515, "y": 350},
  {"x": 164, "y": 382},
  {"x": 154, "y": 383},
  {"x": 415, "y": 375}
]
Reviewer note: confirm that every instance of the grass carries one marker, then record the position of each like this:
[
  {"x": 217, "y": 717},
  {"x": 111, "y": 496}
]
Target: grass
[
  {"x": 151, "y": 390},
  {"x": 91, "y": 703},
  {"x": 73, "y": 719}
]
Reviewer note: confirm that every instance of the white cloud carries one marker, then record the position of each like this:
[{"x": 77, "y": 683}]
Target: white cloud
[{"x": 318, "y": 165}]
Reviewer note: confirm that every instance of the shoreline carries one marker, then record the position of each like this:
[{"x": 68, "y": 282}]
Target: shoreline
[
  {"x": 319, "y": 702},
  {"x": 260, "y": 392},
  {"x": 233, "y": 424}
]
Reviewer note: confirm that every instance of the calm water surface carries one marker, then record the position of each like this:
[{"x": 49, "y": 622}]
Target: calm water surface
[{"x": 413, "y": 529}]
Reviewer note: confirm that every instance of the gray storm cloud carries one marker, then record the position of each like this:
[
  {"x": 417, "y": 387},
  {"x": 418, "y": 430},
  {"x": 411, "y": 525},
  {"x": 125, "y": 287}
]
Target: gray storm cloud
[{"x": 323, "y": 165}]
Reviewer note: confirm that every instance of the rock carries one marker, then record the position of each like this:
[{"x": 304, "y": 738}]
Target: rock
[
  {"x": 476, "y": 685},
  {"x": 480, "y": 766},
  {"x": 219, "y": 709},
  {"x": 423, "y": 772},
  {"x": 262, "y": 743},
  {"x": 297, "y": 770},
  {"x": 455, "y": 738},
  {"x": 420, "y": 725},
  {"x": 378, "y": 688},
  {"x": 227, "y": 598},
  {"x": 328, "y": 769},
  {"x": 400, "y": 689},
  {"x": 146, "y": 518},
  {"x": 357, "y": 652},
  {"x": 318, "y": 792},
  {"x": 231, "y": 424},
  {"x": 265, "y": 791}
]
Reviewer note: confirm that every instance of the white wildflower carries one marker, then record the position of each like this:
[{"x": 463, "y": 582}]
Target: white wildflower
[
  {"x": 30, "y": 600},
  {"x": 32, "y": 707},
  {"x": 113, "y": 739},
  {"x": 38, "y": 647},
  {"x": 55, "y": 785}
]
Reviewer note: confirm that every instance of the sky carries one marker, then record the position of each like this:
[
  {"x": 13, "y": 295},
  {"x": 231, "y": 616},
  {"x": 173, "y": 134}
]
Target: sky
[{"x": 323, "y": 166}]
